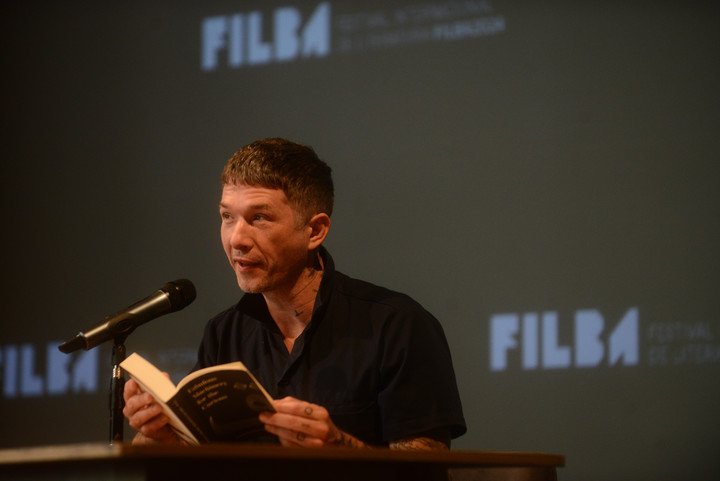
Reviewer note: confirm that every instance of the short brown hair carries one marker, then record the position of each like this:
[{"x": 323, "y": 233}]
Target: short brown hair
[{"x": 277, "y": 163}]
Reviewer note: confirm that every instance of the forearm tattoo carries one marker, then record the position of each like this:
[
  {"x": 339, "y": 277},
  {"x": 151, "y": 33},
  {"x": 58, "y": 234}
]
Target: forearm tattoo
[
  {"x": 423, "y": 443},
  {"x": 418, "y": 444}
]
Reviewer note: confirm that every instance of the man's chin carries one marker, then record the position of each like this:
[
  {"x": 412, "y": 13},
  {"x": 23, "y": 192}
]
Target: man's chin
[{"x": 250, "y": 287}]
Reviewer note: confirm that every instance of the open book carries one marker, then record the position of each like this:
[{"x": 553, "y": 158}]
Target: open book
[{"x": 215, "y": 404}]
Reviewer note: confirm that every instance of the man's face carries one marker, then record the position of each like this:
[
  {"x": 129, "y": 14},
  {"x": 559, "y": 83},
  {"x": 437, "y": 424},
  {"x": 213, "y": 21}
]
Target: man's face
[{"x": 266, "y": 247}]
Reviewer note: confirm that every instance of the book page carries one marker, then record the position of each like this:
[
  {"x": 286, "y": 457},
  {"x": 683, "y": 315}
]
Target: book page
[{"x": 150, "y": 378}]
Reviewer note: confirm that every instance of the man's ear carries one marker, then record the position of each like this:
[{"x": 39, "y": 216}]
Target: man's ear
[{"x": 319, "y": 226}]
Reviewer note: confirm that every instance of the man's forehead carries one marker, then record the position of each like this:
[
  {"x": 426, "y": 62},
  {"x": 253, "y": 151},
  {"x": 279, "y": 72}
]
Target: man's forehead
[
  {"x": 252, "y": 195},
  {"x": 244, "y": 190}
]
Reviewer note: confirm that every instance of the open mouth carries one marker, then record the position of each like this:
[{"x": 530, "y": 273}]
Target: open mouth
[{"x": 245, "y": 264}]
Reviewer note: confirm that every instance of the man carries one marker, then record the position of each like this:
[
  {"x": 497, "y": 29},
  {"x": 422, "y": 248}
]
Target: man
[{"x": 349, "y": 363}]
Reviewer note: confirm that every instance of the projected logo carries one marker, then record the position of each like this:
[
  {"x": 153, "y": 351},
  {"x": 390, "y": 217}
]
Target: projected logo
[
  {"x": 31, "y": 372},
  {"x": 539, "y": 341},
  {"x": 291, "y": 33},
  {"x": 535, "y": 337},
  {"x": 241, "y": 38}
]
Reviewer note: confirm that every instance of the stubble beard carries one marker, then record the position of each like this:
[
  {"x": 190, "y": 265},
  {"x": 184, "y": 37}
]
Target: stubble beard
[{"x": 252, "y": 286}]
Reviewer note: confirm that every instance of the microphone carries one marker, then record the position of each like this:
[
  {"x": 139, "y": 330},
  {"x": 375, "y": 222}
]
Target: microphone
[{"x": 171, "y": 297}]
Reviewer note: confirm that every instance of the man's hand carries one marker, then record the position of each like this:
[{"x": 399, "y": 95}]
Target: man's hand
[
  {"x": 146, "y": 416},
  {"x": 299, "y": 423}
]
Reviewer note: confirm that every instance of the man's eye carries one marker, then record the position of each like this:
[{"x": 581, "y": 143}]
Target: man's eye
[
  {"x": 257, "y": 217},
  {"x": 225, "y": 216}
]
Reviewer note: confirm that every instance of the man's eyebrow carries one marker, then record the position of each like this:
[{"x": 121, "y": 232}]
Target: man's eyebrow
[
  {"x": 255, "y": 207},
  {"x": 261, "y": 207}
]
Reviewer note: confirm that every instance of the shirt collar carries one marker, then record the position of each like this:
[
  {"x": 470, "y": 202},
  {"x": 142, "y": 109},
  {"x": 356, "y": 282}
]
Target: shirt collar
[{"x": 323, "y": 297}]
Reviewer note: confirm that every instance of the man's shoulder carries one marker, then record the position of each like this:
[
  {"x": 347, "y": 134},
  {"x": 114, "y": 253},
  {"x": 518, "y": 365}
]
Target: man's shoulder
[{"x": 367, "y": 292}]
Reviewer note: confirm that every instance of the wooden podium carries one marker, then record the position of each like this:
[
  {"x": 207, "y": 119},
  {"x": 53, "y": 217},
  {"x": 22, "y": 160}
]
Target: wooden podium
[{"x": 225, "y": 462}]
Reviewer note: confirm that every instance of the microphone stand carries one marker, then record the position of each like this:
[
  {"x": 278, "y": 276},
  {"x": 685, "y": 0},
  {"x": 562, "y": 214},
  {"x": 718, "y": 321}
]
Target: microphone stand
[
  {"x": 172, "y": 297},
  {"x": 117, "y": 384}
]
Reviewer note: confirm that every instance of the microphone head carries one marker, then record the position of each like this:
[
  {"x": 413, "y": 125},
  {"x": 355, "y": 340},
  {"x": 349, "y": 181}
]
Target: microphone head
[
  {"x": 72, "y": 345},
  {"x": 180, "y": 293}
]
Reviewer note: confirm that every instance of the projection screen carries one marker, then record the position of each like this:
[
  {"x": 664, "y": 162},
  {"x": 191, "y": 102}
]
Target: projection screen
[{"x": 542, "y": 176}]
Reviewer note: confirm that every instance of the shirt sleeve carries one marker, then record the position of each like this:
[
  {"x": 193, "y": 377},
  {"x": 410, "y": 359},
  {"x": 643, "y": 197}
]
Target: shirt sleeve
[{"x": 419, "y": 391}]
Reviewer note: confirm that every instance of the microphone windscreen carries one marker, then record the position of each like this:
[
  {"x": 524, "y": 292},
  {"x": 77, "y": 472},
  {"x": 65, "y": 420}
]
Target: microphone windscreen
[{"x": 180, "y": 292}]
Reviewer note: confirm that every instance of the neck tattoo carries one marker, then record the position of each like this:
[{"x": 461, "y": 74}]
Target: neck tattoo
[{"x": 301, "y": 309}]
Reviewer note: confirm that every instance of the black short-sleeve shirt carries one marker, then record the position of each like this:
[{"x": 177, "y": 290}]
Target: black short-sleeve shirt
[{"x": 374, "y": 358}]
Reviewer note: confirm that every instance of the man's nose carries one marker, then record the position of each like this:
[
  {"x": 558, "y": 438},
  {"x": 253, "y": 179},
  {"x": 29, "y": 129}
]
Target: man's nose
[{"x": 241, "y": 238}]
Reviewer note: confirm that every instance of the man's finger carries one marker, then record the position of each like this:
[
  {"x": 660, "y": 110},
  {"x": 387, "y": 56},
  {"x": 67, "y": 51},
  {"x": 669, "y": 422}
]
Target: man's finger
[
  {"x": 289, "y": 425},
  {"x": 137, "y": 402},
  {"x": 131, "y": 388},
  {"x": 289, "y": 437},
  {"x": 155, "y": 425},
  {"x": 296, "y": 407},
  {"x": 141, "y": 416}
]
